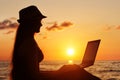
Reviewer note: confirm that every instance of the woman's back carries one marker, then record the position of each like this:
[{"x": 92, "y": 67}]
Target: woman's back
[{"x": 28, "y": 56}]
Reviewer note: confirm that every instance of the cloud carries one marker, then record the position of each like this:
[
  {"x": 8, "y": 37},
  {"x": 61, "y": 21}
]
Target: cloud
[
  {"x": 13, "y": 25},
  {"x": 55, "y": 26},
  {"x": 66, "y": 24},
  {"x": 112, "y": 27},
  {"x": 118, "y": 27},
  {"x": 8, "y": 23}
]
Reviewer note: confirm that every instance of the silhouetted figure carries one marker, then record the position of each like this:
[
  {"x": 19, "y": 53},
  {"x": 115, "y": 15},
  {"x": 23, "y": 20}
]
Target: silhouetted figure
[{"x": 27, "y": 55}]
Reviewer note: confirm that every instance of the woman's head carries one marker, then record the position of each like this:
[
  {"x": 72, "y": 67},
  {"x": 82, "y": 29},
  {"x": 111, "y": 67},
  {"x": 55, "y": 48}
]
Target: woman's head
[
  {"x": 30, "y": 17},
  {"x": 30, "y": 14}
]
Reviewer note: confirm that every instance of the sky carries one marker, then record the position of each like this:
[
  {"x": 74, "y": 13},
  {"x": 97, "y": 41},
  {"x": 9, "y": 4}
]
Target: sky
[{"x": 70, "y": 24}]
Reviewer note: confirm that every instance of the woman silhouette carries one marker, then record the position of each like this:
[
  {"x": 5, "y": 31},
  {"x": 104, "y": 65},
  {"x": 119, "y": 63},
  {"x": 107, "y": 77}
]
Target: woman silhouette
[{"x": 26, "y": 53}]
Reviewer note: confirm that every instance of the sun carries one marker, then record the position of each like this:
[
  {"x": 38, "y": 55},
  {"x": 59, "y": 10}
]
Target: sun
[{"x": 70, "y": 52}]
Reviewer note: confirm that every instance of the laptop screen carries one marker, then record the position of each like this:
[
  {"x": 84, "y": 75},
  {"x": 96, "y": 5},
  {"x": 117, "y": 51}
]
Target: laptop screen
[{"x": 90, "y": 53}]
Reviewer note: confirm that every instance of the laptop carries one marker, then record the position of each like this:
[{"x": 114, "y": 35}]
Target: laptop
[
  {"x": 88, "y": 59},
  {"x": 90, "y": 53}
]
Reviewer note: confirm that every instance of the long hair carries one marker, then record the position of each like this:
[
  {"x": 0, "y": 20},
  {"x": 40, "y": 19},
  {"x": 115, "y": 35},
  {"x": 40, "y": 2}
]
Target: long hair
[{"x": 23, "y": 31}]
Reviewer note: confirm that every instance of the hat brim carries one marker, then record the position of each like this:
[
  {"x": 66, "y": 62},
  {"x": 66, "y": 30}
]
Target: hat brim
[{"x": 19, "y": 20}]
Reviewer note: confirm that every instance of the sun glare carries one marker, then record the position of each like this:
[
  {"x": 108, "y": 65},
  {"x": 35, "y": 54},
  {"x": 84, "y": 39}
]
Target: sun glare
[
  {"x": 70, "y": 62},
  {"x": 70, "y": 52}
]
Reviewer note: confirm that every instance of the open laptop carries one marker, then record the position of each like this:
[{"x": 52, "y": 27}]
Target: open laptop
[
  {"x": 88, "y": 58},
  {"x": 90, "y": 53}
]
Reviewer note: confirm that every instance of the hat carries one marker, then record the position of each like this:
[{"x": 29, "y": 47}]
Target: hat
[{"x": 29, "y": 14}]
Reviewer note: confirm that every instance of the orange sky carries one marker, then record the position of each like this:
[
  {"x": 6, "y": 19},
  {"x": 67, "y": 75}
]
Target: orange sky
[{"x": 68, "y": 26}]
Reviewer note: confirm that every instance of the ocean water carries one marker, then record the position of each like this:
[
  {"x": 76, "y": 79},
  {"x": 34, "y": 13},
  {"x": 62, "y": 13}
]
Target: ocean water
[{"x": 106, "y": 70}]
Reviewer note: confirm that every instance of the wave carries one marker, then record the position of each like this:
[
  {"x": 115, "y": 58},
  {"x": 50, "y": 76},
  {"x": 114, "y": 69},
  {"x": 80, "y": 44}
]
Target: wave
[{"x": 106, "y": 70}]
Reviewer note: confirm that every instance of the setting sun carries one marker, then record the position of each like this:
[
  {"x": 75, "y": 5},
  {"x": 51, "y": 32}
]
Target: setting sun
[
  {"x": 70, "y": 62},
  {"x": 70, "y": 52}
]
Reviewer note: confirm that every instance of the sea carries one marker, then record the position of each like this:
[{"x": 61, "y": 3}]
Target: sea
[{"x": 105, "y": 70}]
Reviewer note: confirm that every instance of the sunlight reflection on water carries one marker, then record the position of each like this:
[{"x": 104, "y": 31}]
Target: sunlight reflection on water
[{"x": 106, "y": 70}]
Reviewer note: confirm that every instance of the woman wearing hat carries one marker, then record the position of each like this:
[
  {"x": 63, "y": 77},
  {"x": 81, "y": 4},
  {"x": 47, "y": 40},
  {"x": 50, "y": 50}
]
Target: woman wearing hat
[{"x": 27, "y": 55}]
